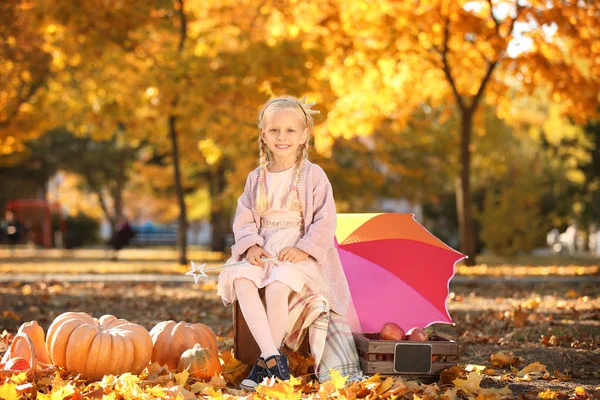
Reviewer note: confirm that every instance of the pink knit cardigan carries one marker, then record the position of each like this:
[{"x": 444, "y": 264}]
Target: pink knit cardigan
[{"x": 320, "y": 220}]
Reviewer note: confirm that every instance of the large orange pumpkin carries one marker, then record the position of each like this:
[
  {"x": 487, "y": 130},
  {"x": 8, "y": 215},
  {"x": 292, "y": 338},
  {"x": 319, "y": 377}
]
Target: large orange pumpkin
[
  {"x": 201, "y": 363},
  {"x": 171, "y": 339},
  {"x": 21, "y": 348},
  {"x": 97, "y": 347}
]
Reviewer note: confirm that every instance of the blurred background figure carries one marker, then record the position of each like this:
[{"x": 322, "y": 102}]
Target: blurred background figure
[
  {"x": 11, "y": 230},
  {"x": 122, "y": 235},
  {"x": 594, "y": 240}
]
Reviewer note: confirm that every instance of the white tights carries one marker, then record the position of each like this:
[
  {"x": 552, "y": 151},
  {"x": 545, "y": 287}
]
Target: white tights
[{"x": 275, "y": 317}]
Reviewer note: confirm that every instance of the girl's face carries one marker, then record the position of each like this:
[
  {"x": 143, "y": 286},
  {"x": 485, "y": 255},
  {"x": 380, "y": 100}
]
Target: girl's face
[{"x": 284, "y": 131}]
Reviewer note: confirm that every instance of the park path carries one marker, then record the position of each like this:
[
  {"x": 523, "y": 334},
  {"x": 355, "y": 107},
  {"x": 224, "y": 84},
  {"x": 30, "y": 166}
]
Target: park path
[{"x": 181, "y": 278}]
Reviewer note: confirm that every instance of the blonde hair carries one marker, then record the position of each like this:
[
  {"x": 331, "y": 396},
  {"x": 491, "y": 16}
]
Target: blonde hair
[{"x": 277, "y": 104}]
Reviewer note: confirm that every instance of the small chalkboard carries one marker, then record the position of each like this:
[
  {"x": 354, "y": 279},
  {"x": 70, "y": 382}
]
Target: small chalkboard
[{"x": 412, "y": 357}]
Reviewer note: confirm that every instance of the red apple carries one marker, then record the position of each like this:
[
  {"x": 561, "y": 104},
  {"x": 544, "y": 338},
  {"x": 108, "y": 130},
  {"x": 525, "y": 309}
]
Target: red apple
[
  {"x": 417, "y": 334},
  {"x": 391, "y": 331},
  {"x": 17, "y": 364}
]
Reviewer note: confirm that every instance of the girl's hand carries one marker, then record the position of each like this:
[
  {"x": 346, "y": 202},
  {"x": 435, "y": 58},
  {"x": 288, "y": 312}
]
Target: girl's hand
[
  {"x": 292, "y": 254},
  {"x": 254, "y": 254}
]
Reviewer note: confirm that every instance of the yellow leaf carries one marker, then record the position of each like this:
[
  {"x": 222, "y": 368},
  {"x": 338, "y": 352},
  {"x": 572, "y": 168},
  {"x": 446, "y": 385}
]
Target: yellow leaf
[
  {"x": 579, "y": 391},
  {"x": 8, "y": 391},
  {"x": 182, "y": 377},
  {"x": 280, "y": 389},
  {"x": 199, "y": 387},
  {"x": 59, "y": 393},
  {"x": 127, "y": 382},
  {"x": 471, "y": 384},
  {"x": 572, "y": 294},
  {"x": 473, "y": 367},
  {"x": 386, "y": 385},
  {"x": 533, "y": 369},
  {"x": 156, "y": 391},
  {"x": 108, "y": 381},
  {"x": 548, "y": 394},
  {"x": 19, "y": 378},
  {"x": 110, "y": 396},
  {"x": 338, "y": 380}
]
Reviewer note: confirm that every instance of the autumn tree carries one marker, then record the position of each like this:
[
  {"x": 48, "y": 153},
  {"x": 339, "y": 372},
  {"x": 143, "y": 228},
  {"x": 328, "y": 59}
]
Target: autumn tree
[
  {"x": 104, "y": 165},
  {"x": 24, "y": 69},
  {"x": 466, "y": 53}
]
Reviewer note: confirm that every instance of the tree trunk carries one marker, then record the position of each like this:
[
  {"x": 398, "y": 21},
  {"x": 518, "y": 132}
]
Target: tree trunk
[
  {"x": 219, "y": 221},
  {"x": 463, "y": 190},
  {"x": 183, "y": 223},
  {"x": 219, "y": 218},
  {"x": 118, "y": 196}
]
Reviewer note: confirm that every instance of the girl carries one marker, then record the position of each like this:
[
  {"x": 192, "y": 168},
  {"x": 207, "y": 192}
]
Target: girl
[{"x": 286, "y": 210}]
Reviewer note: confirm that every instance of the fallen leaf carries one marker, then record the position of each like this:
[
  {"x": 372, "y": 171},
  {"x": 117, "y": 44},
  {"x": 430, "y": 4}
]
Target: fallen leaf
[
  {"x": 299, "y": 365},
  {"x": 233, "y": 370},
  {"x": 473, "y": 367},
  {"x": 182, "y": 377},
  {"x": 217, "y": 381},
  {"x": 280, "y": 389},
  {"x": 519, "y": 318},
  {"x": 449, "y": 394},
  {"x": 399, "y": 388},
  {"x": 531, "y": 304},
  {"x": 8, "y": 390},
  {"x": 562, "y": 377},
  {"x": 503, "y": 358},
  {"x": 450, "y": 374},
  {"x": 471, "y": 384},
  {"x": 572, "y": 294},
  {"x": 156, "y": 391},
  {"x": 535, "y": 369},
  {"x": 548, "y": 395},
  {"x": 19, "y": 378},
  {"x": 179, "y": 393},
  {"x": 338, "y": 380},
  {"x": 11, "y": 314},
  {"x": 385, "y": 386}
]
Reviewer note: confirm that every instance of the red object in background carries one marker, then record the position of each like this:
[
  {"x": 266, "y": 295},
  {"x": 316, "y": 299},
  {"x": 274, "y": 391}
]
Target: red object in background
[{"x": 39, "y": 213}]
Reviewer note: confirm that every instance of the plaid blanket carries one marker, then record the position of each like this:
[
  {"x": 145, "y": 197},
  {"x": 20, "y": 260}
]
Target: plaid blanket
[{"x": 330, "y": 339}]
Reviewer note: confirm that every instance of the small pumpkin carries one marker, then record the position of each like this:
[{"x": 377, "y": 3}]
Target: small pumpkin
[
  {"x": 97, "y": 347},
  {"x": 200, "y": 362},
  {"x": 17, "y": 364},
  {"x": 171, "y": 339},
  {"x": 21, "y": 348}
]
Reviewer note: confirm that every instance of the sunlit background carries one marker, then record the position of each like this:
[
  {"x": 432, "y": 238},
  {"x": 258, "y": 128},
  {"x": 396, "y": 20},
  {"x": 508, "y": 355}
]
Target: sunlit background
[{"x": 478, "y": 116}]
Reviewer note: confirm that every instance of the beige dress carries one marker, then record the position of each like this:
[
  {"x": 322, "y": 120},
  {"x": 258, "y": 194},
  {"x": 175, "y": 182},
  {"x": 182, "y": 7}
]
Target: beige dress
[{"x": 280, "y": 228}]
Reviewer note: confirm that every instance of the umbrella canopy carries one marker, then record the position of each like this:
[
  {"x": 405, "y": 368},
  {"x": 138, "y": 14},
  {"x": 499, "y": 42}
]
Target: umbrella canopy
[{"x": 396, "y": 269}]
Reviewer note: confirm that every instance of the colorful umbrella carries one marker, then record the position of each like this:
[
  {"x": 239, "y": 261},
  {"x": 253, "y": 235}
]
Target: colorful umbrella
[{"x": 396, "y": 269}]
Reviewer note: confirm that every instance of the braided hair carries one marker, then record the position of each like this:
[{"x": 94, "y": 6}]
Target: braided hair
[{"x": 265, "y": 156}]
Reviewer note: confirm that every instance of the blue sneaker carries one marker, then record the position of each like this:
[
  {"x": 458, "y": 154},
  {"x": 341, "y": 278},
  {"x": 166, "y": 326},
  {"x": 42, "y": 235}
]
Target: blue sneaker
[
  {"x": 256, "y": 376},
  {"x": 277, "y": 366}
]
